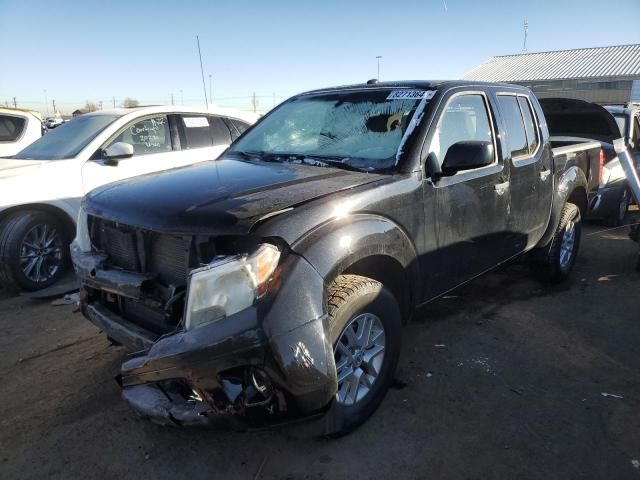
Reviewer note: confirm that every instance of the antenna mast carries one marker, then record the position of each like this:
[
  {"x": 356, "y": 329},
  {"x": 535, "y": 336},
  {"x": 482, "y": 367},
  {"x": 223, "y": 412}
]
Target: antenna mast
[{"x": 526, "y": 28}]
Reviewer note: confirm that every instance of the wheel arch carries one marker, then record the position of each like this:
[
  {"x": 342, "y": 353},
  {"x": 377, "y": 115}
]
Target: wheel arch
[
  {"x": 367, "y": 245},
  {"x": 60, "y": 213},
  {"x": 570, "y": 187}
]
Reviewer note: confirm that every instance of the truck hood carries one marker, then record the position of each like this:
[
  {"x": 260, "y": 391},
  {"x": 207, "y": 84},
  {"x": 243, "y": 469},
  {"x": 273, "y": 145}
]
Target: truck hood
[
  {"x": 10, "y": 167},
  {"x": 567, "y": 117},
  {"x": 222, "y": 197}
]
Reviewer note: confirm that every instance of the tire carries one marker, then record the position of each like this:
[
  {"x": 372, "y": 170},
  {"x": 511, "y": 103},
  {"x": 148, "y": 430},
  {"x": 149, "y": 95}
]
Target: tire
[
  {"x": 551, "y": 263},
  {"x": 617, "y": 218},
  {"x": 51, "y": 261},
  {"x": 354, "y": 302}
]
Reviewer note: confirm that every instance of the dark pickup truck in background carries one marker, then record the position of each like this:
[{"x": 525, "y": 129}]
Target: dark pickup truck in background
[
  {"x": 273, "y": 283},
  {"x": 572, "y": 121}
]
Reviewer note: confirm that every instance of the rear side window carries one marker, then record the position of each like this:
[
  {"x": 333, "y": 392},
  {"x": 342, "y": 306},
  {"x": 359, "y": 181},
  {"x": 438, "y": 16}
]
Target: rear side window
[
  {"x": 240, "y": 126},
  {"x": 465, "y": 118},
  {"x": 516, "y": 134},
  {"x": 529, "y": 124},
  {"x": 204, "y": 131},
  {"x": 11, "y": 127}
]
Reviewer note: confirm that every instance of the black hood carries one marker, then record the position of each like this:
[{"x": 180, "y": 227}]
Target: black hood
[
  {"x": 567, "y": 117},
  {"x": 225, "y": 196}
]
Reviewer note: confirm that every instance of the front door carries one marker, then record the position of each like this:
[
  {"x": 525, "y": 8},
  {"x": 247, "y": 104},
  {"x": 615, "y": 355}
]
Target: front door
[
  {"x": 471, "y": 207},
  {"x": 153, "y": 149}
]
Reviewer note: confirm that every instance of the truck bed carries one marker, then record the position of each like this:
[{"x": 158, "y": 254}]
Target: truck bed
[{"x": 584, "y": 154}]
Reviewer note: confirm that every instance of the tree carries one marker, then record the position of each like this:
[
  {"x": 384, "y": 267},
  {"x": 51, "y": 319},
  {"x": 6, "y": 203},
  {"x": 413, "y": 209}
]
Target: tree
[
  {"x": 90, "y": 106},
  {"x": 130, "y": 102}
]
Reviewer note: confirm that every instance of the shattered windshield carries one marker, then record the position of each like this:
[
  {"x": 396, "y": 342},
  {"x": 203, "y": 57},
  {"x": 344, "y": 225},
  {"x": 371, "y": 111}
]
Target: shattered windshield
[{"x": 361, "y": 129}]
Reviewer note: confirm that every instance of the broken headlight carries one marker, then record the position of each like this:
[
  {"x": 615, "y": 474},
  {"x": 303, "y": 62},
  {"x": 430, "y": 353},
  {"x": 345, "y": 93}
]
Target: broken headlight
[{"x": 228, "y": 286}]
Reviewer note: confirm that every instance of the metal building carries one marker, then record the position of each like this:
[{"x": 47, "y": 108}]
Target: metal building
[{"x": 605, "y": 75}]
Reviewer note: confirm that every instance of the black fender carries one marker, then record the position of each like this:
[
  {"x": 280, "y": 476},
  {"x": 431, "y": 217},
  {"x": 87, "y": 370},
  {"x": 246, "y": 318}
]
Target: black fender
[
  {"x": 571, "y": 184},
  {"x": 335, "y": 246}
]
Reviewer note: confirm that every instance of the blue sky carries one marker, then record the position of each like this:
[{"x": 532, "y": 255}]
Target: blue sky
[{"x": 96, "y": 50}]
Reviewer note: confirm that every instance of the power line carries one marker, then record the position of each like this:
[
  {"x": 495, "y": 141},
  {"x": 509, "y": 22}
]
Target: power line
[{"x": 204, "y": 87}]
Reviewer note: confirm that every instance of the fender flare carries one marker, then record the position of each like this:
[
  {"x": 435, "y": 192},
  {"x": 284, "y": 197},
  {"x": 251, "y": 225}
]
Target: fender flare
[
  {"x": 571, "y": 179},
  {"x": 340, "y": 243}
]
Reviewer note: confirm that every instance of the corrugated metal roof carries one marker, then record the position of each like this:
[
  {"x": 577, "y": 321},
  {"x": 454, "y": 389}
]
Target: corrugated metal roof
[{"x": 598, "y": 62}]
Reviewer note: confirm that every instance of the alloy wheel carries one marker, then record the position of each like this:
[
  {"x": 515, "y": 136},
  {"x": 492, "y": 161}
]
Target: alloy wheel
[
  {"x": 359, "y": 353},
  {"x": 41, "y": 253},
  {"x": 568, "y": 244}
]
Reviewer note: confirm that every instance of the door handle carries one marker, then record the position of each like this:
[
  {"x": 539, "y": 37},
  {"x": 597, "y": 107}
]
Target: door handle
[
  {"x": 544, "y": 174},
  {"x": 500, "y": 188}
]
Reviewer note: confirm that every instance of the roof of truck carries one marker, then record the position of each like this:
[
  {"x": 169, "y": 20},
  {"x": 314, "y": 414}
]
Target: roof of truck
[{"x": 417, "y": 84}]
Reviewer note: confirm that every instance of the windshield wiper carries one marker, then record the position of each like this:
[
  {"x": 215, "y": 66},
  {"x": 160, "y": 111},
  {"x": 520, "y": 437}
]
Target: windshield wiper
[{"x": 248, "y": 155}]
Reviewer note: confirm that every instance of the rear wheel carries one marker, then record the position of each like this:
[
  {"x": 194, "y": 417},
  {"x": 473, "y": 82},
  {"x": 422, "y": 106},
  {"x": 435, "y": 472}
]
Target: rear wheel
[
  {"x": 555, "y": 261},
  {"x": 34, "y": 251},
  {"x": 365, "y": 328},
  {"x": 618, "y": 217}
]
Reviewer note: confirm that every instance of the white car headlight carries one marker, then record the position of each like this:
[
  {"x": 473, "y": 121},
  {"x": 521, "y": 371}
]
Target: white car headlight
[{"x": 229, "y": 286}]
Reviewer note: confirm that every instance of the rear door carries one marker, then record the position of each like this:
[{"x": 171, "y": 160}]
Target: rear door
[
  {"x": 203, "y": 137},
  {"x": 471, "y": 207},
  {"x": 530, "y": 165}
]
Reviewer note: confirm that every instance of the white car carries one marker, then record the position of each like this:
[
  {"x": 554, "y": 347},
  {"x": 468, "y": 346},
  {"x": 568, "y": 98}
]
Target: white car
[
  {"x": 18, "y": 129},
  {"x": 42, "y": 186}
]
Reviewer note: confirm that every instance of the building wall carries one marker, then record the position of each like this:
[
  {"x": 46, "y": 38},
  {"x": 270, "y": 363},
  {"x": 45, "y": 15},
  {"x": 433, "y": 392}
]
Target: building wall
[{"x": 606, "y": 92}]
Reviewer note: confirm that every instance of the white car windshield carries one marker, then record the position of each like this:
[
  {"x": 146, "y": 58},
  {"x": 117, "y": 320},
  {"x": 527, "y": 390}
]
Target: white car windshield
[
  {"x": 360, "y": 129},
  {"x": 67, "y": 140}
]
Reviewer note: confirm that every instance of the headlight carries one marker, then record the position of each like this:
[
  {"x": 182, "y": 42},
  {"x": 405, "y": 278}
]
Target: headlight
[
  {"x": 229, "y": 286},
  {"x": 612, "y": 172},
  {"x": 82, "y": 239}
]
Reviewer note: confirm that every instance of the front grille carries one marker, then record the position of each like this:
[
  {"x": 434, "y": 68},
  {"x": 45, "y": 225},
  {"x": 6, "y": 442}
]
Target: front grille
[{"x": 142, "y": 251}]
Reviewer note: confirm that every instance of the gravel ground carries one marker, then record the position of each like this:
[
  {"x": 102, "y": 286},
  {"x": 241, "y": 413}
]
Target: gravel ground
[{"x": 502, "y": 379}]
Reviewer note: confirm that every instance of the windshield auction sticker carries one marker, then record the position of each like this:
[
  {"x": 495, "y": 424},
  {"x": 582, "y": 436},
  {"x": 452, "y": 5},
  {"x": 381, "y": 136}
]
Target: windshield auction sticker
[{"x": 411, "y": 94}]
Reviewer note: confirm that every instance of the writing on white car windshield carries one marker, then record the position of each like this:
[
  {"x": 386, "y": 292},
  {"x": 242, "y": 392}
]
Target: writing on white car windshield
[
  {"x": 359, "y": 129},
  {"x": 67, "y": 140}
]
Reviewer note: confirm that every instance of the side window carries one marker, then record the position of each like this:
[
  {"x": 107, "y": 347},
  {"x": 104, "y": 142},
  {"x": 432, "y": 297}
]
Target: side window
[
  {"x": 240, "y": 126},
  {"x": 149, "y": 135},
  {"x": 465, "y": 118},
  {"x": 219, "y": 131},
  {"x": 529, "y": 124},
  {"x": 11, "y": 127},
  {"x": 204, "y": 131},
  {"x": 516, "y": 134}
]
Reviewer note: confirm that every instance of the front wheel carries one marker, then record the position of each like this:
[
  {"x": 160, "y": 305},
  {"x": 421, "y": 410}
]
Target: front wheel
[
  {"x": 555, "y": 261},
  {"x": 34, "y": 251},
  {"x": 365, "y": 327}
]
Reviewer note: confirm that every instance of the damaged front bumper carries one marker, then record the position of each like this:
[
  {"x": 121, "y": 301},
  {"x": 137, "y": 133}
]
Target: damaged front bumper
[{"x": 263, "y": 365}]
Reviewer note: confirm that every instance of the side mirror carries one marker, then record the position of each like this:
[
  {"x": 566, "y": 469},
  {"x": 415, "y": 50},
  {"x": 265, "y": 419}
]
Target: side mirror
[
  {"x": 116, "y": 152},
  {"x": 467, "y": 155}
]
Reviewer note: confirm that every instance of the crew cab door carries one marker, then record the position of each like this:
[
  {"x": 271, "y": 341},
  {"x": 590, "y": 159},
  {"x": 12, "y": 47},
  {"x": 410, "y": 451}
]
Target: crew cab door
[
  {"x": 472, "y": 206},
  {"x": 155, "y": 148},
  {"x": 530, "y": 165}
]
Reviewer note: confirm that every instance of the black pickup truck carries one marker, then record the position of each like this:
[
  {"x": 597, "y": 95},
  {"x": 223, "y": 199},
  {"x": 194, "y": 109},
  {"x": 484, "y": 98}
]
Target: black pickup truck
[{"x": 273, "y": 283}]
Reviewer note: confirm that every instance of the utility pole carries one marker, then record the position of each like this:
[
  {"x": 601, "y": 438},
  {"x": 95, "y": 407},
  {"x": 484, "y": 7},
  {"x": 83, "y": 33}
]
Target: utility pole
[
  {"x": 254, "y": 102},
  {"x": 100, "y": 105},
  {"x": 206, "y": 101},
  {"x": 15, "y": 103},
  {"x": 46, "y": 101},
  {"x": 526, "y": 28},
  {"x": 172, "y": 99},
  {"x": 54, "y": 106},
  {"x": 210, "y": 90},
  {"x": 378, "y": 57},
  {"x": 181, "y": 98}
]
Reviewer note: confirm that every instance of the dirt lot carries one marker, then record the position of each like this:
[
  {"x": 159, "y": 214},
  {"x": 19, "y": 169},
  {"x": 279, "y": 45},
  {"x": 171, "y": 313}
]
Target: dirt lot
[{"x": 504, "y": 379}]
